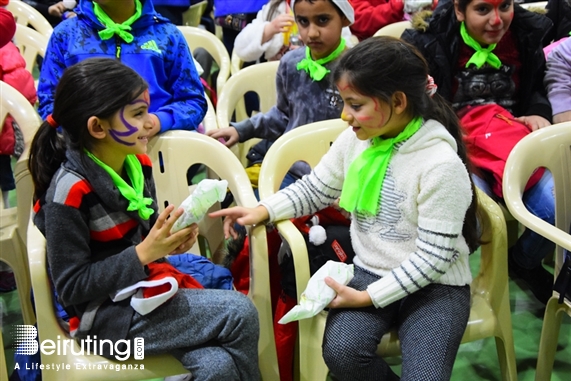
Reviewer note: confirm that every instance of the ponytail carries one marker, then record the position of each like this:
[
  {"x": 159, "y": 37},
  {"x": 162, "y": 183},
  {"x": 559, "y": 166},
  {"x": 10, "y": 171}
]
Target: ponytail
[
  {"x": 439, "y": 109},
  {"x": 47, "y": 152}
]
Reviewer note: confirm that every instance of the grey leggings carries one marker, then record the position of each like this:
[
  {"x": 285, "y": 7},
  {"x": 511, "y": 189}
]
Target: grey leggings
[
  {"x": 430, "y": 323},
  {"x": 214, "y": 333}
]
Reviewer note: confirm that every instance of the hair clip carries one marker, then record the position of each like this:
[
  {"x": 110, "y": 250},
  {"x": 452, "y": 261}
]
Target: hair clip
[
  {"x": 431, "y": 87},
  {"x": 51, "y": 121}
]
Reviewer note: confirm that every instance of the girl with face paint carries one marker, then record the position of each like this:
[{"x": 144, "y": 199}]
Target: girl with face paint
[
  {"x": 95, "y": 203},
  {"x": 401, "y": 170},
  {"x": 490, "y": 52}
]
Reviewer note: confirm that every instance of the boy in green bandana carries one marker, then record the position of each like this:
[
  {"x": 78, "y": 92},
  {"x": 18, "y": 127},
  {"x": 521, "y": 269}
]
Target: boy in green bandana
[
  {"x": 132, "y": 32},
  {"x": 489, "y": 53},
  {"x": 305, "y": 93}
]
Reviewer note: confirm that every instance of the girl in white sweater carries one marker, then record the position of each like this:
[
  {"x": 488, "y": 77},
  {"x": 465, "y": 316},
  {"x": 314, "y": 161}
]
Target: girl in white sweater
[{"x": 401, "y": 170}]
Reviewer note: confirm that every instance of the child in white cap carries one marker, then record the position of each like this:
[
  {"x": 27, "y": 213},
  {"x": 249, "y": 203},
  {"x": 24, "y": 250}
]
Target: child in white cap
[{"x": 305, "y": 93}]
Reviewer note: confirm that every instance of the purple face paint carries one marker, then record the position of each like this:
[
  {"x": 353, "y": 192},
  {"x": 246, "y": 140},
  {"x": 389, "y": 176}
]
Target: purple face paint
[{"x": 117, "y": 136}]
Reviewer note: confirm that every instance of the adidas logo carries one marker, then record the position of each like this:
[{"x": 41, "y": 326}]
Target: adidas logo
[{"x": 151, "y": 45}]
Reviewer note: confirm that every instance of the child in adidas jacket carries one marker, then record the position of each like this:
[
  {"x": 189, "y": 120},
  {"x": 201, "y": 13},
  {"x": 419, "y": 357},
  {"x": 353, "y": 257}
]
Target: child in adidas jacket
[{"x": 142, "y": 39}]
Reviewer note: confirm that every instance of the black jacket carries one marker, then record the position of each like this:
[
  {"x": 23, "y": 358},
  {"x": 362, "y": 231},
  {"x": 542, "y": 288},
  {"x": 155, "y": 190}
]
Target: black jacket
[
  {"x": 440, "y": 45},
  {"x": 559, "y": 11}
]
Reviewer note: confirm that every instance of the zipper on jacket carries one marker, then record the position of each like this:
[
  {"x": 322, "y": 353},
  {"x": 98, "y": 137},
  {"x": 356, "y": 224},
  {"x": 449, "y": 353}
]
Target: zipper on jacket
[{"x": 118, "y": 48}]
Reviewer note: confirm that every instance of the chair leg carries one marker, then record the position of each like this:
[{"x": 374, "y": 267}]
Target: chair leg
[
  {"x": 506, "y": 357},
  {"x": 312, "y": 366},
  {"x": 549, "y": 338},
  {"x": 24, "y": 294}
]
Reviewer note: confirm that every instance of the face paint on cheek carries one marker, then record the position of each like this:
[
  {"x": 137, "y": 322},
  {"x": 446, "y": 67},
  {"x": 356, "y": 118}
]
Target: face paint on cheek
[{"x": 117, "y": 136}]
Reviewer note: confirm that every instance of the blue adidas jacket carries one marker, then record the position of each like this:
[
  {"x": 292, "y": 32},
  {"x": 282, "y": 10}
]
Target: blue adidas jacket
[{"x": 159, "y": 53}]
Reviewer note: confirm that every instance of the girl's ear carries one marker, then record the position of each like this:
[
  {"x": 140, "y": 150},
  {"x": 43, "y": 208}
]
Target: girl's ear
[
  {"x": 459, "y": 15},
  {"x": 400, "y": 102},
  {"x": 345, "y": 21},
  {"x": 95, "y": 128}
]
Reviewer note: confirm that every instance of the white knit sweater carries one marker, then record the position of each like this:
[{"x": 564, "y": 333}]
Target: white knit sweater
[{"x": 416, "y": 237}]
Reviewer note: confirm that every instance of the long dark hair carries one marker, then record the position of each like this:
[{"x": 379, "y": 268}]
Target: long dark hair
[
  {"x": 380, "y": 66},
  {"x": 94, "y": 87}
]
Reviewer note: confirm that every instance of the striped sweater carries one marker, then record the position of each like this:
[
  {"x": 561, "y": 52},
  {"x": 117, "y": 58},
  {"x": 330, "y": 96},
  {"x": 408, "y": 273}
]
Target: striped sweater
[
  {"x": 91, "y": 242},
  {"x": 416, "y": 237}
]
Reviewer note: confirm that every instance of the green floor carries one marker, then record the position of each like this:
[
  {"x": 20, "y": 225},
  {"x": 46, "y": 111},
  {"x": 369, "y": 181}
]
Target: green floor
[{"x": 475, "y": 361}]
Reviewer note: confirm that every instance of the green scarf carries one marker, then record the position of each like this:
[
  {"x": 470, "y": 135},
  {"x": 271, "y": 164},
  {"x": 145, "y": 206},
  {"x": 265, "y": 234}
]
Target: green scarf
[
  {"x": 315, "y": 69},
  {"x": 482, "y": 55},
  {"x": 364, "y": 181},
  {"x": 112, "y": 28},
  {"x": 133, "y": 194}
]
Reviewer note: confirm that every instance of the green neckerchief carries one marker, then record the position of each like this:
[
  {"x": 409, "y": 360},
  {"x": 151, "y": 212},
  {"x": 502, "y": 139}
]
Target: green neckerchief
[
  {"x": 364, "y": 181},
  {"x": 315, "y": 69},
  {"x": 112, "y": 28},
  {"x": 133, "y": 194},
  {"x": 482, "y": 55}
]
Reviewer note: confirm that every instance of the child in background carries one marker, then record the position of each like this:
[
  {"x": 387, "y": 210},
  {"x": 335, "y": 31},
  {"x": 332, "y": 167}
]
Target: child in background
[
  {"x": 411, "y": 265},
  {"x": 95, "y": 204},
  {"x": 558, "y": 81},
  {"x": 132, "y": 32},
  {"x": 13, "y": 72},
  {"x": 304, "y": 91},
  {"x": 488, "y": 55}
]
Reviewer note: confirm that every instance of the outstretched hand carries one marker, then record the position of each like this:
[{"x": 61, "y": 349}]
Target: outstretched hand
[
  {"x": 229, "y": 134},
  {"x": 347, "y": 297},
  {"x": 242, "y": 216},
  {"x": 534, "y": 122},
  {"x": 160, "y": 242}
]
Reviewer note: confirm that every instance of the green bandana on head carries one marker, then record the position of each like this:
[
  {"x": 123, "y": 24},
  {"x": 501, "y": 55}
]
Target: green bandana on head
[
  {"x": 315, "y": 69},
  {"x": 482, "y": 55},
  {"x": 112, "y": 28},
  {"x": 364, "y": 181},
  {"x": 133, "y": 194}
]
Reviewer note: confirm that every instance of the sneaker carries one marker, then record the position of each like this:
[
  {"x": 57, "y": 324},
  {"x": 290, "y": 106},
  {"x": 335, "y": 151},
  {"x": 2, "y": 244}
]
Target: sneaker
[{"x": 538, "y": 279}]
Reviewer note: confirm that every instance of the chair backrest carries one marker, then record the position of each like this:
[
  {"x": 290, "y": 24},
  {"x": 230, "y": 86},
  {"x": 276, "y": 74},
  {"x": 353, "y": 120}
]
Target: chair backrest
[
  {"x": 209, "y": 122},
  {"x": 236, "y": 63},
  {"x": 200, "y": 38},
  {"x": 554, "y": 143},
  {"x": 395, "y": 29},
  {"x": 259, "y": 78},
  {"x": 15, "y": 104},
  {"x": 27, "y": 15},
  {"x": 31, "y": 44},
  {"x": 538, "y": 4},
  {"x": 192, "y": 16},
  {"x": 172, "y": 153}
]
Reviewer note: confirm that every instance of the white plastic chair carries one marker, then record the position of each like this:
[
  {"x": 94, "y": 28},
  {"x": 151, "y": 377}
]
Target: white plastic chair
[
  {"x": 192, "y": 16},
  {"x": 200, "y": 38},
  {"x": 538, "y": 4},
  {"x": 14, "y": 221},
  {"x": 26, "y": 15},
  {"x": 395, "y": 29},
  {"x": 175, "y": 151},
  {"x": 49, "y": 328},
  {"x": 259, "y": 78},
  {"x": 236, "y": 63},
  {"x": 31, "y": 44},
  {"x": 490, "y": 307},
  {"x": 209, "y": 122},
  {"x": 549, "y": 148}
]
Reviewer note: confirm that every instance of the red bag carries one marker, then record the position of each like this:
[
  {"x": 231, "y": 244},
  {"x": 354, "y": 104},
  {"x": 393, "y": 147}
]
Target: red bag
[
  {"x": 491, "y": 132},
  {"x": 7, "y": 137}
]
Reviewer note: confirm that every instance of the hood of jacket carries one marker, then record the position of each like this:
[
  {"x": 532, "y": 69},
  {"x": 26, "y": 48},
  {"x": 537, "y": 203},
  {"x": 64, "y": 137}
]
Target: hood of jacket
[
  {"x": 431, "y": 133},
  {"x": 148, "y": 15}
]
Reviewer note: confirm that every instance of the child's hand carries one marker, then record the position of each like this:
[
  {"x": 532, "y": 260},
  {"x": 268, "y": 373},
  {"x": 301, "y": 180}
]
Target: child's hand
[
  {"x": 562, "y": 117},
  {"x": 347, "y": 297},
  {"x": 229, "y": 134},
  {"x": 280, "y": 24},
  {"x": 185, "y": 246},
  {"x": 160, "y": 242},
  {"x": 57, "y": 9},
  {"x": 534, "y": 122},
  {"x": 242, "y": 216}
]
